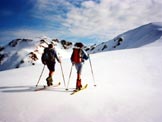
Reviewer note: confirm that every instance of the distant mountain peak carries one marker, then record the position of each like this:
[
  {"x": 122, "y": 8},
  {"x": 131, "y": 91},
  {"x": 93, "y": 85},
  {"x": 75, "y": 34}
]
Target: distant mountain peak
[
  {"x": 138, "y": 37},
  {"x": 26, "y": 52}
]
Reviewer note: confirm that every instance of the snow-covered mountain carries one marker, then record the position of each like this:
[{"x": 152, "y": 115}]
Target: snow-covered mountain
[
  {"x": 134, "y": 38},
  {"x": 27, "y": 52},
  {"x": 128, "y": 90}
]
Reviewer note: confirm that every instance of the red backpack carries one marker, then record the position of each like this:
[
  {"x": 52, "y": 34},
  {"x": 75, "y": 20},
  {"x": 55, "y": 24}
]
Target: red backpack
[{"x": 76, "y": 55}]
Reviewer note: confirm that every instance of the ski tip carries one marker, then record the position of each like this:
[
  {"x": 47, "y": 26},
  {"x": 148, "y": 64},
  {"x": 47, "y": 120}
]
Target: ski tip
[{"x": 75, "y": 91}]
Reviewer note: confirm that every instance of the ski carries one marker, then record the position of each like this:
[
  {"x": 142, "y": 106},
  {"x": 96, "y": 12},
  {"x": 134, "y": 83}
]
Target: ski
[
  {"x": 76, "y": 91},
  {"x": 45, "y": 87}
]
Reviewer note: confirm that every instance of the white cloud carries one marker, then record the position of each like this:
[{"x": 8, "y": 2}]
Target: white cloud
[
  {"x": 25, "y": 33},
  {"x": 30, "y": 33},
  {"x": 89, "y": 19},
  {"x": 51, "y": 10},
  {"x": 111, "y": 17}
]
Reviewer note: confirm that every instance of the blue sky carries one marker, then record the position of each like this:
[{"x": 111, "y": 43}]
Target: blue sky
[{"x": 89, "y": 21}]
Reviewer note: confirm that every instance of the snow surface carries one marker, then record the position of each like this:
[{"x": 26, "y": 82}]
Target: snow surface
[
  {"x": 128, "y": 86},
  {"x": 128, "y": 90}
]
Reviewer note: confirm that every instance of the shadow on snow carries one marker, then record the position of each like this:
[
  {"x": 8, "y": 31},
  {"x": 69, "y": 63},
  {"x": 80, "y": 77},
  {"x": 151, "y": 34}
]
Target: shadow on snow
[{"x": 16, "y": 89}]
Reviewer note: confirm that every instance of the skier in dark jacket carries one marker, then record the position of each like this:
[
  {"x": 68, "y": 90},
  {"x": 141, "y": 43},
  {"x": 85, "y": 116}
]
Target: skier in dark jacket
[
  {"x": 78, "y": 56},
  {"x": 49, "y": 60}
]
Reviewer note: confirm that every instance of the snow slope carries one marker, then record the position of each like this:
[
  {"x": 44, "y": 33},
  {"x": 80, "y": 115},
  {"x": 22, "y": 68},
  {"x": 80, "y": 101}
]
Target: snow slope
[
  {"x": 140, "y": 36},
  {"x": 128, "y": 90},
  {"x": 27, "y": 52}
]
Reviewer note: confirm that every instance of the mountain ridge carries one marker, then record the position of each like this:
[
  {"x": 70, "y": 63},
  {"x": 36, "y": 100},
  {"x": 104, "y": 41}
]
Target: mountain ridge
[
  {"x": 133, "y": 38},
  {"x": 27, "y": 52}
]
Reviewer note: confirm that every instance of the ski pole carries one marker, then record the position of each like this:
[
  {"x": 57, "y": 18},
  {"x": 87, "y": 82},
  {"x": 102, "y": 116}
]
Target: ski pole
[
  {"x": 69, "y": 77},
  {"x": 92, "y": 71},
  {"x": 40, "y": 76},
  {"x": 63, "y": 74}
]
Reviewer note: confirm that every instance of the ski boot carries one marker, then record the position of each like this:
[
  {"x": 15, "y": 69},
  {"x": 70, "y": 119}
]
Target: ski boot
[
  {"x": 78, "y": 84},
  {"x": 49, "y": 81}
]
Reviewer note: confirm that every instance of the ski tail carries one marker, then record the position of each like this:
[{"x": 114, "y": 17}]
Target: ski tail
[{"x": 45, "y": 87}]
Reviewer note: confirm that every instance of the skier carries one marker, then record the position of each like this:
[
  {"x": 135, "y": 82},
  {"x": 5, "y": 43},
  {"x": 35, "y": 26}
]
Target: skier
[
  {"x": 77, "y": 58},
  {"x": 48, "y": 58}
]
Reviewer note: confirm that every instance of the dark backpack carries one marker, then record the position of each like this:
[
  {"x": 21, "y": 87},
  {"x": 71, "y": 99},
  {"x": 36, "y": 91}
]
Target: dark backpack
[{"x": 48, "y": 55}]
